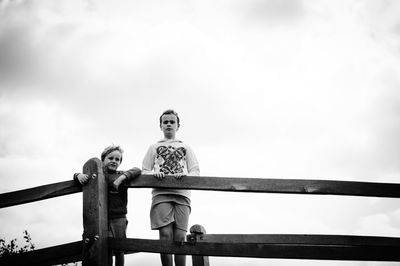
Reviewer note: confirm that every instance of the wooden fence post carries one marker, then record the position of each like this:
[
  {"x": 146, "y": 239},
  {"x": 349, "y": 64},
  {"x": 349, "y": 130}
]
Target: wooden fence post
[
  {"x": 196, "y": 233},
  {"x": 95, "y": 220}
]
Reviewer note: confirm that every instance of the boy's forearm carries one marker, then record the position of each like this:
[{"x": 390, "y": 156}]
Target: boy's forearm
[
  {"x": 194, "y": 172},
  {"x": 132, "y": 173},
  {"x": 147, "y": 172}
]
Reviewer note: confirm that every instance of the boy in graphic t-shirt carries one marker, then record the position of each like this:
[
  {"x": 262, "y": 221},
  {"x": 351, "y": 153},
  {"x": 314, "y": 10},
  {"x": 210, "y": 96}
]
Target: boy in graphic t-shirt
[{"x": 170, "y": 208}]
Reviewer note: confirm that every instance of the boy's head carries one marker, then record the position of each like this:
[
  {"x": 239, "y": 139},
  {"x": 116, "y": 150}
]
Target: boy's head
[
  {"x": 112, "y": 157},
  {"x": 169, "y": 112},
  {"x": 169, "y": 123}
]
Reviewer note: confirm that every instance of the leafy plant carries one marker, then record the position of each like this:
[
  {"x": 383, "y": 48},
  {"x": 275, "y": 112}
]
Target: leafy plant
[{"x": 12, "y": 247}]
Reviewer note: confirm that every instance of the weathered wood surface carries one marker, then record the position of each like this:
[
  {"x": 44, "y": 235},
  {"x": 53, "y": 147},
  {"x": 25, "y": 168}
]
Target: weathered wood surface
[
  {"x": 56, "y": 255},
  {"x": 95, "y": 214},
  {"x": 296, "y": 186},
  {"x": 39, "y": 193},
  {"x": 292, "y": 186},
  {"x": 302, "y": 239},
  {"x": 197, "y": 233},
  {"x": 259, "y": 250}
]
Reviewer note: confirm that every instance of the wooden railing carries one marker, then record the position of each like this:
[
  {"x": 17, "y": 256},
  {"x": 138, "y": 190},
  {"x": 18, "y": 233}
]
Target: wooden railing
[{"x": 95, "y": 247}]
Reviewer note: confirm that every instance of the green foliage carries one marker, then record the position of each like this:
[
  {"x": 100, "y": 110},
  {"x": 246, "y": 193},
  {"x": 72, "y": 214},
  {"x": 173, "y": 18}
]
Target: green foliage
[{"x": 11, "y": 248}]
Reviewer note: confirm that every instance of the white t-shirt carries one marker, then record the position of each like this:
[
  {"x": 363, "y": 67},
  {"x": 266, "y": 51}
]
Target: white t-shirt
[{"x": 170, "y": 157}]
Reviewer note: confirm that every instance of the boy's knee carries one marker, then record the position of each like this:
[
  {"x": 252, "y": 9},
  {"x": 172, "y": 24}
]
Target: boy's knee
[
  {"x": 166, "y": 233},
  {"x": 179, "y": 235}
]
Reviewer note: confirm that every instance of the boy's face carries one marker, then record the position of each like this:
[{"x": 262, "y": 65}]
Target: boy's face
[
  {"x": 112, "y": 160},
  {"x": 169, "y": 126}
]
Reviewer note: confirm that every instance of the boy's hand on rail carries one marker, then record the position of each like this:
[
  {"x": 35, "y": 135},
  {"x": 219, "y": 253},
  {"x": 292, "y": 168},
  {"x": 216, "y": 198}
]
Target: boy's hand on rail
[
  {"x": 159, "y": 176},
  {"x": 179, "y": 175},
  {"x": 82, "y": 178}
]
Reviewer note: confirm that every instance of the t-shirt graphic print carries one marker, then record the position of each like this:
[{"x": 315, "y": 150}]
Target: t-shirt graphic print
[{"x": 170, "y": 159}]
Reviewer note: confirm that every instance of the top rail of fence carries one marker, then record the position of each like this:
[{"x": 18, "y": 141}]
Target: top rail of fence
[{"x": 232, "y": 184}]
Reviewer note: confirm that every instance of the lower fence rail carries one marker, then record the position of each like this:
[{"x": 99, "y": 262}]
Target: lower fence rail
[
  {"x": 318, "y": 247},
  {"x": 66, "y": 253}
]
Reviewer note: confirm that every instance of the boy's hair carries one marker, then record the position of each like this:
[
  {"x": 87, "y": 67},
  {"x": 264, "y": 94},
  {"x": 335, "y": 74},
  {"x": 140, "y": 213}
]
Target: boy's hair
[
  {"x": 170, "y": 112},
  {"x": 109, "y": 150}
]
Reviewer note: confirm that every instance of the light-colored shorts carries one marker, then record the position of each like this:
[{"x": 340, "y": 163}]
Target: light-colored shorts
[{"x": 164, "y": 213}]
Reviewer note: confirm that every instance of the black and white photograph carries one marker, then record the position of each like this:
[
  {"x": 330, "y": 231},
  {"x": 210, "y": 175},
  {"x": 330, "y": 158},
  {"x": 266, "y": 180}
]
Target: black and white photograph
[{"x": 271, "y": 125}]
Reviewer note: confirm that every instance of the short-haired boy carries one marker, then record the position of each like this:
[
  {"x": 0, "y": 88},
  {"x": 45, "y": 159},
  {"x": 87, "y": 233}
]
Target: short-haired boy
[
  {"x": 170, "y": 208},
  {"x": 117, "y": 196}
]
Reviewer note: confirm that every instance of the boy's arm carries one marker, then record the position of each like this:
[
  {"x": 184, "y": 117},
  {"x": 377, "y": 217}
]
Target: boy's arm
[
  {"x": 148, "y": 162},
  {"x": 132, "y": 173},
  {"x": 126, "y": 176},
  {"x": 192, "y": 163}
]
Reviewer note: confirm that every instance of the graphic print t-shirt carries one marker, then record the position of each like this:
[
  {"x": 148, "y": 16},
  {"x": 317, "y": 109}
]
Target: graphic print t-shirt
[{"x": 170, "y": 157}]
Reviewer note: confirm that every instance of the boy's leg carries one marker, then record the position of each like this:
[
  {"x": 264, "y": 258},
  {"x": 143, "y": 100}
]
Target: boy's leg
[
  {"x": 179, "y": 235},
  {"x": 110, "y": 254},
  {"x": 162, "y": 218},
  {"x": 117, "y": 228},
  {"x": 166, "y": 233},
  {"x": 181, "y": 213},
  {"x": 119, "y": 259}
]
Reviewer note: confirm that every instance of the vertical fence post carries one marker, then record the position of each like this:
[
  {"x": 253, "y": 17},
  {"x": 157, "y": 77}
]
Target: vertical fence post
[
  {"x": 196, "y": 233},
  {"x": 95, "y": 222}
]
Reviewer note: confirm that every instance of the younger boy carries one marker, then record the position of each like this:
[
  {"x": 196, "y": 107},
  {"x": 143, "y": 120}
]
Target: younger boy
[
  {"x": 117, "y": 196},
  {"x": 170, "y": 208}
]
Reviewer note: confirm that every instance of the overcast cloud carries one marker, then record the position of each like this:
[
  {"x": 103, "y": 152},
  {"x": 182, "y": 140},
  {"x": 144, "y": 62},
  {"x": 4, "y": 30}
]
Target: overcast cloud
[{"x": 264, "y": 88}]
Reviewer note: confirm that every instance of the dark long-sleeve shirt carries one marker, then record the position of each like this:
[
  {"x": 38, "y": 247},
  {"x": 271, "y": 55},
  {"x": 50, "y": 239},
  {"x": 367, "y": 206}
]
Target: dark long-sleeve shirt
[{"x": 118, "y": 201}]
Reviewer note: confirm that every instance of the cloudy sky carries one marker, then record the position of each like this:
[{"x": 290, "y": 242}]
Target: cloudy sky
[{"x": 264, "y": 88}]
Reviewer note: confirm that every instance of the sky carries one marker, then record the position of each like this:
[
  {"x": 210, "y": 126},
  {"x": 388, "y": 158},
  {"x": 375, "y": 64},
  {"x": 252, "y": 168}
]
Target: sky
[{"x": 264, "y": 88}]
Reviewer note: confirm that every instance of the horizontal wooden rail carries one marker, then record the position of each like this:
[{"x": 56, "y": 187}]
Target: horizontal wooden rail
[
  {"x": 302, "y": 239},
  {"x": 56, "y": 255},
  {"x": 233, "y": 184},
  {"x": 39, "y": 193},
  {"x": 262, "y": 185},
  {"x": 288, "y": 249}
]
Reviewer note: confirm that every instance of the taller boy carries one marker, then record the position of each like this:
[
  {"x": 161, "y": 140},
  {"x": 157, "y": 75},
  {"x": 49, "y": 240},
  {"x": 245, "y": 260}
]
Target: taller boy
[{"x": 170, "y": 208}]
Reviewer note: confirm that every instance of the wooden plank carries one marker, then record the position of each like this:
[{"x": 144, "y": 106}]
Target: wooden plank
[
  {"x": 60, "y": 254},
  {"x": 95, "y": 215},
  {"x": 296, "y": 186},
  {"x": 39, "y": 193},
  {"x": 197, "y": 232},
  {"x": 301, "y": 239},
  {"x": 254, "y": 250},
  {"x": 292, "y": 186}
]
